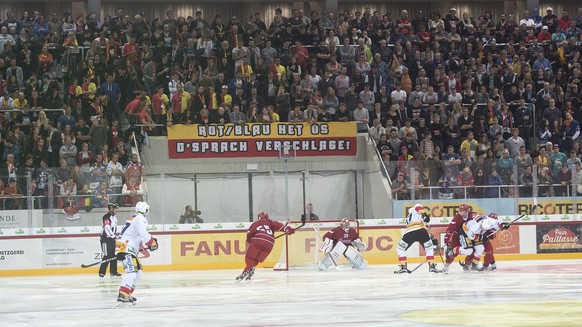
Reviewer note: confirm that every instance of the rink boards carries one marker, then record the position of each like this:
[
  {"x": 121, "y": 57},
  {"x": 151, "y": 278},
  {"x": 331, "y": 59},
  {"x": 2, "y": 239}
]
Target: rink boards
[{"x": 62, "y": 250}]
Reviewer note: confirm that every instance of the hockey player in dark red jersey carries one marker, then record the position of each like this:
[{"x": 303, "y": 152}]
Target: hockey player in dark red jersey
[
  {"x": 452, "y": 234},
  {"x": 342, "y": 241},
  {"x": 261, "y": 240}
]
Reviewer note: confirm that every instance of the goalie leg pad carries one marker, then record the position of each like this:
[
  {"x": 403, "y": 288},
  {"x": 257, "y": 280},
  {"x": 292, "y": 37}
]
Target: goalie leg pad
[
  {"x": 356, "y": 258},
  {"x": 324, "y": 263},
  {"x": 338, "y": 251},
  {"x": 332, "y": 257}
]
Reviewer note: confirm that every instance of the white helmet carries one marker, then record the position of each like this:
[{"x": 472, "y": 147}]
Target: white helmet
[{"x": 142, "y": 207}]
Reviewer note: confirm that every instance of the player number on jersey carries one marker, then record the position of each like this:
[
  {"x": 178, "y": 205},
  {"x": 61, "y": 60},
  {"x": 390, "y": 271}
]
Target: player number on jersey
[{"x": 265, "y": 229}]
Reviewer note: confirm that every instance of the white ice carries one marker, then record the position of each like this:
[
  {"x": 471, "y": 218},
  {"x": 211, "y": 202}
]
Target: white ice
[{"x": 520, "y": 293}]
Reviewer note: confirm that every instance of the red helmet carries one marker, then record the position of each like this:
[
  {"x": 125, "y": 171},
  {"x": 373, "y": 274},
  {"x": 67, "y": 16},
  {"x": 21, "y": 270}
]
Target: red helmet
[
  {"x": 464, "y": 211},
  {"x": 345, "y": 223},
  {"x": 493, "y": 215},
  {"x": 263, "y": 215}
]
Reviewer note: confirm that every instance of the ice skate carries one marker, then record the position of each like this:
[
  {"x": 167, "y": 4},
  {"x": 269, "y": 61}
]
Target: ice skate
[
  {"x": 475, "y": 267},
  {"x": 433, "y": 269},
  {"x": 489, "y": 267},
  {"x": 242, "y": 276},
  {"x": 250, "y": 274},
  {"x": 445, "y": 269},
  {"x": 402, "y": 270},
  {"x": 465, "y": 267},
  {"x": 101, "y": 276},
  {"x": 125, "y": 300},
  {"x": 116, "y": 275}
]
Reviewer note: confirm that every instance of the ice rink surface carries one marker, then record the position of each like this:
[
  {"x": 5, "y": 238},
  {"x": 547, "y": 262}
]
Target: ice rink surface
[{"x": 519, "y": 293}]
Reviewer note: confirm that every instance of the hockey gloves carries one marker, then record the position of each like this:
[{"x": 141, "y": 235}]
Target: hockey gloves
[
  {"x": 504, "y": 225},
  {"x": 426, "y": 217},
  {"x": 154, "y": 244},
  {"x": 289, "y": 230},
  {"x": 435, "y": 242}
]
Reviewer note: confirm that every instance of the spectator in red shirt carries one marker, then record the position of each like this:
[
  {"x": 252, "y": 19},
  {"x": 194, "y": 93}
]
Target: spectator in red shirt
[
  {"x": 564, "y": 21},
  {"x": 544, "y": 35},
  {"x": 134, "y": 107}
]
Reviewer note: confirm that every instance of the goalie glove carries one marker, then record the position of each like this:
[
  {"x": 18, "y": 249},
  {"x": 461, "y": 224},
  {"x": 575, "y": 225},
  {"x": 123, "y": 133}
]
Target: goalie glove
[
  {"x": 426, "y": 217},
  {"x": 326, "y": 246},
  {"x": 153, "y": 244},
  {"x": 358, "y": 244}
]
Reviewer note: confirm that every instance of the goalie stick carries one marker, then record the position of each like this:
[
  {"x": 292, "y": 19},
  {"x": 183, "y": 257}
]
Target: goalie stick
[{"x": 303, "y": 219}]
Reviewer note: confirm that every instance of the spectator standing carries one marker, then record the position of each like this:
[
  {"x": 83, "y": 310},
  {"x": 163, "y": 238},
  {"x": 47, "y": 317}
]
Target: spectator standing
[
  {"x": 115, "y": 171},
  {"x": 514, "y": 143}
]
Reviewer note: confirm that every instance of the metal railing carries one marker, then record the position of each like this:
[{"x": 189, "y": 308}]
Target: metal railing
[{"x": 449, "y": 187}]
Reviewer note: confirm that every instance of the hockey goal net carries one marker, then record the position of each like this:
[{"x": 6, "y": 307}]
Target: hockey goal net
[{"x": 302, "y": 248}]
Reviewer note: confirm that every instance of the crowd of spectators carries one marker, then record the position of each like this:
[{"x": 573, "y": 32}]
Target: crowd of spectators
[{"x": 457, "y": 96}]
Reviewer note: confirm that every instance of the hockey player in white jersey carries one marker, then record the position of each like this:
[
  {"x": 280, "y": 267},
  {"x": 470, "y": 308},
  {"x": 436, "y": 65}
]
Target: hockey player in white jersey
[
  {"x": 471, "y": 237},
  {"x": 416, "y": 221},
  {"x": 133, "y": 235}
]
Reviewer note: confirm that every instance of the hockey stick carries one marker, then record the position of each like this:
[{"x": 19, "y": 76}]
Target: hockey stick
[
  {"x": 303, "y": 219},
  {"x": 143, "y": 250},
  {"x": 531, "y": 212},
  {"x": 438, "y": 246},
  {"x": 422, "y": 263},
  {"x": 98, "y": 262}
]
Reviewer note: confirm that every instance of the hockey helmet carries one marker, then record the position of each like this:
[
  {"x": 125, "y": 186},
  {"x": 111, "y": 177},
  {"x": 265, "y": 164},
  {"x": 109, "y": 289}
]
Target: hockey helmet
[
  {"x": 464, "y": 210},
  {"x": 263, "y": 215},
  {"x": 345, "y": 223},
  {"x": 112, "y": 205},
  {"x": 142, "y": 207},
  {"x": 418, "y": 207},
  {"x": 493, "y": 215}
]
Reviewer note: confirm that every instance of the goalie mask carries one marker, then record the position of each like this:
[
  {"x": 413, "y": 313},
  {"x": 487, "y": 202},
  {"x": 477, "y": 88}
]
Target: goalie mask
[
  {"x": 345, "y": 224},
  {"x": 263, "y": 215}
]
